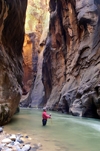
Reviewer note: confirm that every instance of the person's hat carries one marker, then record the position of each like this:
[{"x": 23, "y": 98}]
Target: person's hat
[{"x": 44, "y": 108}]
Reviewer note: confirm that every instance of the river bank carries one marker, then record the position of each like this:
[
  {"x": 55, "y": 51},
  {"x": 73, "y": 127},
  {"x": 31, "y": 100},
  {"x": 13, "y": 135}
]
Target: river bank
[{"x": 19, "y": 142}]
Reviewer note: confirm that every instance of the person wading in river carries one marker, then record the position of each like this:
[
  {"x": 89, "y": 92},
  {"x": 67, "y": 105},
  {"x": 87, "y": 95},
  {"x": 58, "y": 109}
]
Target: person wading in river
[{"x": 45, "y": 116}]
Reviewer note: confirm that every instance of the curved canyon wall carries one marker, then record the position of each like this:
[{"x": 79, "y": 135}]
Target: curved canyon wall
[
  {"x": 36, "y": 15},
  {"x": 67, "y": 76},
  {"x": 71, "y": 64},
  {"x": 36, "y": 30},
  {"x": 12, "y": 20}
]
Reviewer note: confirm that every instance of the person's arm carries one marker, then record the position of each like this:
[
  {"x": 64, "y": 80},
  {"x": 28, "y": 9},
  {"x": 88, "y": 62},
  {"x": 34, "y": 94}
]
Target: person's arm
[{"x": 48, "y": 116}]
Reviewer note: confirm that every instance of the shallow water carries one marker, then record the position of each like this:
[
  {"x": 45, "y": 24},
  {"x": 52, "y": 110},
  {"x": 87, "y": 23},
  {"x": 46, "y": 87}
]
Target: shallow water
[{"x": 64, "y": 133}]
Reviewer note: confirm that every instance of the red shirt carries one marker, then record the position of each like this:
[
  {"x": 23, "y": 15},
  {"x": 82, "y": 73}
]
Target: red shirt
[{"x": 45, "y": 116}]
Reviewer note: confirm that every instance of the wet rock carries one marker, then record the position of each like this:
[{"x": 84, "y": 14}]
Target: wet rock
[
  {"x": 34, "y": 148},
  {"x": 13, "y": 137},
  {"x": 26, "y": 148},
  {"x": 14, "y": 149},
  {"x": 39, "y": 144},
  {"x": 12, "y": 143},
  {"x": 1, "y": 129},
  {"x": 20, "y": 141},
  {"x": 16, "y": 143},
  {"x": 18, "y": 148},
  {"x": 6, "y": 141},
  {"x": 19, "y": 135},
  {"x": 9, "y": 145},
  {"x": 8, "y": 149},
  {"x": 2, "y": 145}
]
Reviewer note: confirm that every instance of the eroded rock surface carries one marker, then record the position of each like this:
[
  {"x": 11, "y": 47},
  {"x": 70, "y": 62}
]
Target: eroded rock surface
[
  {"x": 36, "y": 18},
  {"x": 71, "y": 65},
  {"x": 36, "y": 28},
  {"x": 12, "y": 19}
]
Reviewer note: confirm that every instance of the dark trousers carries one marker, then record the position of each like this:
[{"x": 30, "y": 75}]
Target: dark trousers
[{"x": 44, "y": 122}]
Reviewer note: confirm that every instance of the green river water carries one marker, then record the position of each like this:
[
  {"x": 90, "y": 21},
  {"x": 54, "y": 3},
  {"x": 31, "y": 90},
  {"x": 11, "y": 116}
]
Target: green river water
[{"x": 65, "y": 133}]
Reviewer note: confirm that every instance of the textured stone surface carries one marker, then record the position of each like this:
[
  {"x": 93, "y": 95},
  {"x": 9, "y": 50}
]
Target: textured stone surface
[
  {"x": 36, "y": 28},
  {"x": 36, "y": 19},
  {"x": 71, "y": 60},
  {"x": 12, "y": 19},
  {"x": 27, "y": 63},
  {"x": 71, "y": 65},
  {"x": 36, "y": 94}
]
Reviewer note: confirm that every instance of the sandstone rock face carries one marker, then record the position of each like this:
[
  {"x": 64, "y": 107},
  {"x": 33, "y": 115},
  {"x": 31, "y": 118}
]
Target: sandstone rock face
[
  {"x": 36, "y": 94},
  {"x": 71, "y": 65},
  {"x": 27, "y": 63},
  {"x": 36, "y": 18},
  {"x": 12, "y": 19},
  {"x": 36, "y": 29}
]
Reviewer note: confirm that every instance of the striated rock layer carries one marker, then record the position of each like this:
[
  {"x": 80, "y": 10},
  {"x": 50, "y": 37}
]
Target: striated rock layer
[
  {"x": 71, "y": 65},
  {"x": 12, "y": 19}
]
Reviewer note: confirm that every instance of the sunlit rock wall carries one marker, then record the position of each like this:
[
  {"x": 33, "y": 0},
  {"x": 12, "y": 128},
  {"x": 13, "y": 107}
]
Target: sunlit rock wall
[
  {"x": 71, "y": 65},
  {"x": 12, "y": 20},
  {"x": 37, "y": 28},
  {"x": 36, "y": 17}
]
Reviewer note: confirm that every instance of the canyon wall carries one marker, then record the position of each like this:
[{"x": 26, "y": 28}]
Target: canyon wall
[
  {"x": 36, "y": 16},
  {"x": 12, "y": 20},
  {"x": 36, "y": 30},
  {"x": 67, "y": 76},
  {"x": 71, "y": 63}
]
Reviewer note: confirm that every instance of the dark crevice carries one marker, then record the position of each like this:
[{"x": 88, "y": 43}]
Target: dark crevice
[{"x": 52, "y": 5}]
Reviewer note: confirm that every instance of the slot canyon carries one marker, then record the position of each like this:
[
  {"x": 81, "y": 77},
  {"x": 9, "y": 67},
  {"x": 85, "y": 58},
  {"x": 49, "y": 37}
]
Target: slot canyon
[{"x": 50, "y": 56}]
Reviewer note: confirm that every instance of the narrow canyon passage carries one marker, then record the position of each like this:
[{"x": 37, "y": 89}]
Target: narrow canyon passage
[
  {"x": 61, "y": 57},
  {"x": 50, "y": 56}
]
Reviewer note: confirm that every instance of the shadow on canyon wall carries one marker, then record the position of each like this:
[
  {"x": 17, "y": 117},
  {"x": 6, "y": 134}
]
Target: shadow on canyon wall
[{"x": 71, "y": 60}]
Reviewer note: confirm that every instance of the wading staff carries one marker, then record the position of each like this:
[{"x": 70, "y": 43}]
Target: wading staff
[
  {"x": 51, "y": 118},
  {"x": 51, "y": 121}
]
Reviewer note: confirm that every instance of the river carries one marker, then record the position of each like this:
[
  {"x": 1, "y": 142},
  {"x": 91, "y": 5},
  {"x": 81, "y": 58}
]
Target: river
[{"x": 63, "y": 133}]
